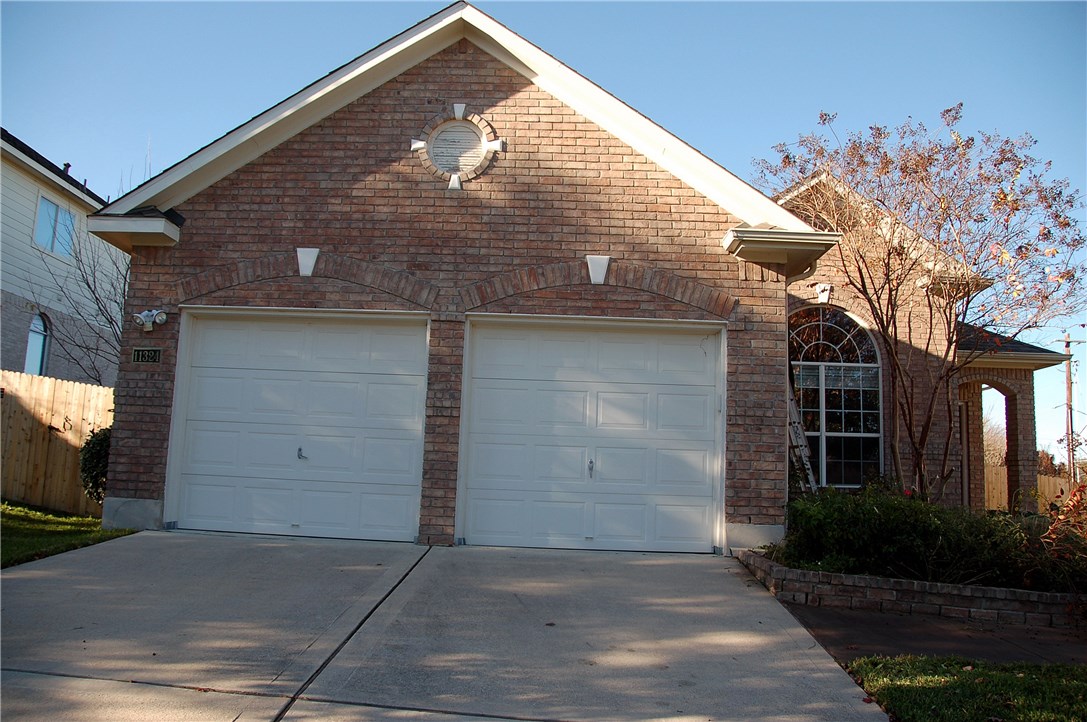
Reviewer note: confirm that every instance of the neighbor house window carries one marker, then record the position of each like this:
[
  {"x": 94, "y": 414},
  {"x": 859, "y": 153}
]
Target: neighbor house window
[
  {"x": 53, "y": 228},
  {"x": 837, "y": 383},
  {"x": 37, "y": 346}
]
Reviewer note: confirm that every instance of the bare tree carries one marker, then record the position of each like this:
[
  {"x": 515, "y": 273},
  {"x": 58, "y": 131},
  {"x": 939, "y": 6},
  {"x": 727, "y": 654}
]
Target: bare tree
[
  {"x": 91, "y": 288},
  {"x": 954, "y": 245}
]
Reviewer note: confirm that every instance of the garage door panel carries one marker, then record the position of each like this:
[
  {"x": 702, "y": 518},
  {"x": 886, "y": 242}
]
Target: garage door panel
[
  {"x": 565, "y": 356},
  {"x": 268, "y": 451},
  {"x": 571, "y": 521},
  {"x": 661, "y": 466},
  {"x": 494, "y": 519},
  {"x": 266, "y": 504},
  {"x": 393, "y": 512},
  {"x": 553, "y": 521},
  {"x": 621, "y": 467},
  {"x": 684, "y": 471},
  {"x": 616, "y": 356},
  {"x": 207, "y": 501},
  {"x": 623, "y": 410},
  {"x": 387, "y": 400},
  {"x": 559, "y": 464},
  {"x": 501, "y": 462},
  {"x": 563, "y": 408},
  {"x": 639, "y": 406},
  {"x": 241, "y": 396},
  {"x": 621, "y": 523},
  {"x": 688, "y": 413},
  {"x": 323, "y": 345},
  {"x": 212, "y": 450},
  {"x": 502, "y": 407},
  {"x": 624, "y": 356},
  {"x": 328, "y": 511},
  {"x": 682, "y": 524},
  {"x": 265, "y": 450},
  {"x": 603, "y": 410},
  {"x": 216, "y": 394}
]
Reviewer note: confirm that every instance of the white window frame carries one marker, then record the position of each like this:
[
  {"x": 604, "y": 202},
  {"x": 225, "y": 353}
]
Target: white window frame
[
  {"x": 821, "y": 457},
  {"x": 36, "y": 362},
  {"x": 64, "y": 252}
]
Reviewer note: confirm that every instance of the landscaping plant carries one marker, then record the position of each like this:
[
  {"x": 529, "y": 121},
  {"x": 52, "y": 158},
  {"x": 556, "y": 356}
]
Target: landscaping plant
[
  {"x": 94, "y": 463},
  {"x": 890, "y": 534}
]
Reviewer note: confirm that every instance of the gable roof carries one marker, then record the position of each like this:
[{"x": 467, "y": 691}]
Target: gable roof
[
  {"x": 998, "y": 351},
  {"x": 43, "y": 166},
  {"x": 393, "y": 57},
  {"x": 945, "y": 271}
]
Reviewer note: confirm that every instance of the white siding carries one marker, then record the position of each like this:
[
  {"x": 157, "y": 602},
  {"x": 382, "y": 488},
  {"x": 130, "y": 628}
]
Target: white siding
[{"x": 27, "y": 271}]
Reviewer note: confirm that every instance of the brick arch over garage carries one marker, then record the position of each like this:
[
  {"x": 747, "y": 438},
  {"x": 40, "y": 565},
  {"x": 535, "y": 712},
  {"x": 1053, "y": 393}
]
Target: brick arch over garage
[
  {"x": 620, "y": 274},
  {"x": 1017, "y": 386},
  {"x": 329, "y": 265}
]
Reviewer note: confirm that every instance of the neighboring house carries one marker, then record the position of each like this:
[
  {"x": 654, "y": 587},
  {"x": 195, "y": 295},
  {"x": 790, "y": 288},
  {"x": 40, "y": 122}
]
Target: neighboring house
[
  {"x": 49, "y": 324},
  {"x": 455, "y": 292}
]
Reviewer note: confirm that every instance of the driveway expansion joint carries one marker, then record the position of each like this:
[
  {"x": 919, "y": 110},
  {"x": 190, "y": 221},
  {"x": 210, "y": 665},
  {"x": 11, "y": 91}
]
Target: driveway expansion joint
[{"x": 343, "y": 643}]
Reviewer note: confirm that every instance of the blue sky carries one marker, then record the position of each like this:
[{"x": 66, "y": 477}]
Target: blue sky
[{"x": 97, "y": 84}]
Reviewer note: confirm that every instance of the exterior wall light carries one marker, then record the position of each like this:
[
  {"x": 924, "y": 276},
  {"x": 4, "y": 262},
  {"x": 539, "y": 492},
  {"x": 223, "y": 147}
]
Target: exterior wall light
[{"x": 147, "y": 320}]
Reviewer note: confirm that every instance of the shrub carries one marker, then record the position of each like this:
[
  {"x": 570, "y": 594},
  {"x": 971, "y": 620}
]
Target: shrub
[
  {"x": 892, "y": 535},
  {"x": 94, "y": 463}
]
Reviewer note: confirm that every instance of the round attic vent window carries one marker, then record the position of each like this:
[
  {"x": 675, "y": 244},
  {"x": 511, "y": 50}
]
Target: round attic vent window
[{"x": 456, "y": 147}]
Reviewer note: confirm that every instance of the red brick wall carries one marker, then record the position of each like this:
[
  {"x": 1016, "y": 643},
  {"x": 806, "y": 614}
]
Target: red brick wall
[{"x": 392, "y": 236}]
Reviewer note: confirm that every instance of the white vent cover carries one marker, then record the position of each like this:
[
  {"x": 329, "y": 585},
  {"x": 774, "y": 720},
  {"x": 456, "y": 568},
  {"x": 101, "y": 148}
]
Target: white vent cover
[{"x": 456, "y": 147}]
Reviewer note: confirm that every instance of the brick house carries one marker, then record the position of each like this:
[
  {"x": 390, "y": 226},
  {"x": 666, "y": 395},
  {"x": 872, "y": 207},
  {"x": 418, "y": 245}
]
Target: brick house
[
  {"x": 843, "y": 386},
  {"x": 455, "y": 292}
]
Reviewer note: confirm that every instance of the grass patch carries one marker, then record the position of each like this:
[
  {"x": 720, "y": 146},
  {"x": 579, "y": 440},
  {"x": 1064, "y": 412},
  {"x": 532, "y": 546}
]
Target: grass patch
[
  {"x": 27, "y": 534},
  {"x": 953, "y": 689}
]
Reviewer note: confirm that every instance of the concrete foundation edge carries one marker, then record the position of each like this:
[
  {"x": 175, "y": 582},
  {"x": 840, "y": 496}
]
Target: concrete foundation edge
[
  {"x": 752, "y": 536},
  {"x": 140, "y": 514}
]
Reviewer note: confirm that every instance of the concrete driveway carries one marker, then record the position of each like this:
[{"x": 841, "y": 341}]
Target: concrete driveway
[{"x": 229, "y": 627}]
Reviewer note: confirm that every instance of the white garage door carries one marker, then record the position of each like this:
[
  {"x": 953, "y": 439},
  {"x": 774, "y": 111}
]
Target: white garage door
[
  {"x": 593, "y": 439},
  {"x": 305, "y": 427}
]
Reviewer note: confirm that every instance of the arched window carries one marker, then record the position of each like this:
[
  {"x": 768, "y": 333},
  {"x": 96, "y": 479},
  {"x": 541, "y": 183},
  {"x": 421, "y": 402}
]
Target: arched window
[
  {"x": 37, "y": 346},
  {"x": 836, "y": 379}
]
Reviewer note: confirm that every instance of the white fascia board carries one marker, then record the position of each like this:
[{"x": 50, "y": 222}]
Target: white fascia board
[
  {"x": 796, "y": 250},
  {"x": 293, "y": 115},
  {"x": 1007, "y": 360},
  {"x": 127, "y": 232},
  {"x": 47, "y": 176},
  {"x": 746, "y": 203}
]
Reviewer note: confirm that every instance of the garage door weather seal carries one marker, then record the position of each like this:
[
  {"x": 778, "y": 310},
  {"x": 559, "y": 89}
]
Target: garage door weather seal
[{"x": 317, "y": 672}]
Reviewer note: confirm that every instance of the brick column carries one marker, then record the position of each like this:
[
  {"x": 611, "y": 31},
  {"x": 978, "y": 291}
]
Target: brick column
[
  {"x": 1022, "y": 448},
  {"x": 974, "y": 443},
  {"x": 442, "y": 432}
]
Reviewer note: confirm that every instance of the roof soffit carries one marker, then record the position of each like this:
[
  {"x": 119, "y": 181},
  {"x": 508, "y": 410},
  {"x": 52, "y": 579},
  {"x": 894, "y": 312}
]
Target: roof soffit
[{"x": 397, "y": 55}]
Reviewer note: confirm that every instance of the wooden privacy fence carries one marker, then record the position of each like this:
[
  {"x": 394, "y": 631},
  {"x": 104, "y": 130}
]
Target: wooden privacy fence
[
  {"x": 43, "y": 423},
  {"x": 996, "y": 487}
]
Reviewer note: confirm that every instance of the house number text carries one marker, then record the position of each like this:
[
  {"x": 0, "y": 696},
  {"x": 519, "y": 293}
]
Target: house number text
[{"x": 146, "y": 355}]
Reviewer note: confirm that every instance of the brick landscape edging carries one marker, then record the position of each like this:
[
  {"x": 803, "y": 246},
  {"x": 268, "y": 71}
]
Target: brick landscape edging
[{"x": 958, "y": 601}]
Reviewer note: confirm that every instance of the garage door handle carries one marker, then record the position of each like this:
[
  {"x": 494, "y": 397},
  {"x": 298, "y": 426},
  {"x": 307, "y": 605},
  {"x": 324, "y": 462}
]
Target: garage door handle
[
  {"x": 591, "y": 465},
  {"x": 300, "y": 456}
]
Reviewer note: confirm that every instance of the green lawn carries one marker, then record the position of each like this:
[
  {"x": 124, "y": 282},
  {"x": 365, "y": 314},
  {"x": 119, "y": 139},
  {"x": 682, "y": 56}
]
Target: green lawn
[
  {"x": 951, "y": 689},
  {"x": 27, "y": 534}
]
